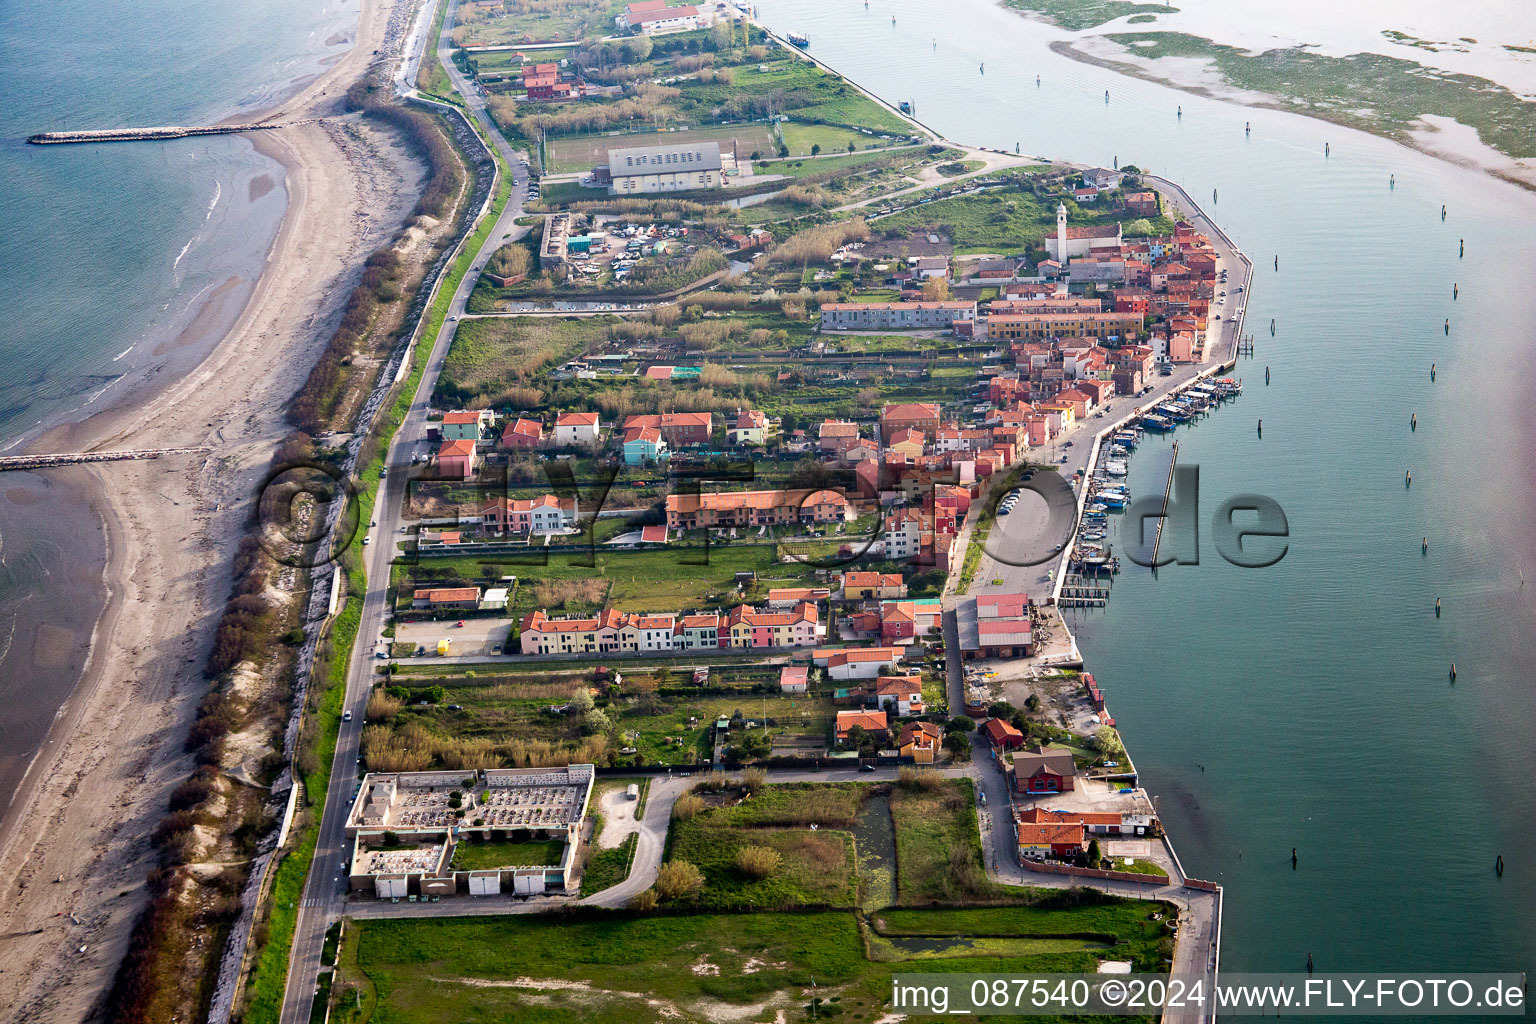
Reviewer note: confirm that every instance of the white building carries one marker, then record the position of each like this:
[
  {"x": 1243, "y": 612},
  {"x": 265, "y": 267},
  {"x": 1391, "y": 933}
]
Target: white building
[
  {"x": 1079, "y": 241},
  {"x": 577, "y": 428},
  {"x": 646, "y": 169},
  {"x": 654, "y": 18}
]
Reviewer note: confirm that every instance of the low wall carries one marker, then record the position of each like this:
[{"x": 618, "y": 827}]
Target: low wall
[{"x": 1068, "y": 869}]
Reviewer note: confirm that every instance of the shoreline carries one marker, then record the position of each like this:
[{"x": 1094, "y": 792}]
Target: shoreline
[
  {"x": 1470, "y": 154},
  {"x": 96, "y": 784}
]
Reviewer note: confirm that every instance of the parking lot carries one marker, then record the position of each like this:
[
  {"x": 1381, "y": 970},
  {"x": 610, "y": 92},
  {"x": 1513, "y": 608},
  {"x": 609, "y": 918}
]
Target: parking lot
[{"x": 476, "y": 636}]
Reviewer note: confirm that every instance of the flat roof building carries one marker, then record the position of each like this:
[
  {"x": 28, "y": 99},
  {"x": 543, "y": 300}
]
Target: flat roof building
[
  {"x": 678, "y": 168},
  {"x": 406, "y": 828}
]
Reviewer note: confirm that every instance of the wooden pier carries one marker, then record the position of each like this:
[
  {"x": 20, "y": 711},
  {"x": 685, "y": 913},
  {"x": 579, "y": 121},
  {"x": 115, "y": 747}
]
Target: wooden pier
[
  {"x": 23, "y": 462},
  {"x": 1157, "y": 538},
  {"x": 1078, "y": 591}
]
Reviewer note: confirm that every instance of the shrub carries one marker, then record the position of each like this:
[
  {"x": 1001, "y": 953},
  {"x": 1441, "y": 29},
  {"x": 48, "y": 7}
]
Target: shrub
[
  {"x": 753, "y": 779},
  {"x": 644, "y": 901},
  {"x": 918, "y": 781},
  {"x": 678, "y": 878},
  {"x": 686, "y": 807},
  {"x": 757, "y": 861}
]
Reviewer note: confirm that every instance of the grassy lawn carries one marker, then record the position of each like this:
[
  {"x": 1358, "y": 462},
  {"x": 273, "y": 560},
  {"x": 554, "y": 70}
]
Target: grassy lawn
[
  {"x": 539, "y": 21},
  {"x": 938, "y": 845},
  {"x": 1139, "y": 867},
  {"x": 1011, "y": 220},
  {"x": 816, "y": 868},
  {"x": 607, "y": 868},
  {"x": 475, "y": 855},
  {"x": 831, "y": 138},
  {"x": 624, "y": 969}
]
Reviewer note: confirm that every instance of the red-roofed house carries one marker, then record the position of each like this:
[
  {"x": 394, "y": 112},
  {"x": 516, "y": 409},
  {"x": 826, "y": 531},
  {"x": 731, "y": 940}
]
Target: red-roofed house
[
  {"x": 457, "y": 460},
  {"x": 872, "y": 722},
  {"x": 856, "y": 662},
  {"x": 1002, "y": 734},
  {"x": 922, "y": 416},
  {"x": 522, "y": 433},
  {"x": 920, "y": 741},
  {"x": 577, "y": 428},
  {"x": 1058, "y": 839},
  {"x": 794, "y": 679},
  {"x": 679, "y": 428},
  {"x": 873, "y": 586}
]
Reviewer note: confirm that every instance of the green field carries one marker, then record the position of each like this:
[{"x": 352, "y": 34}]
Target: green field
[
  {"x": 486, "y": 357},
  {"x": 1011, "y": 221},
  {"x": 573, "y": 154},
  {"x": 607, "y": 868},
  {"x": 938, "y": 845},
  {"x": 483, "y": 855},
  {"x": 538, "y": 21},
  {"x": 624, "y": 969},
  {"x": 831, "y": 138}
]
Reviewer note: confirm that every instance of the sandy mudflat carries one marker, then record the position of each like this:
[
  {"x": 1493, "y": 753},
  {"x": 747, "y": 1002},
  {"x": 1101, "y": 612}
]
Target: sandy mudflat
[{"x": 101, "y": 782}]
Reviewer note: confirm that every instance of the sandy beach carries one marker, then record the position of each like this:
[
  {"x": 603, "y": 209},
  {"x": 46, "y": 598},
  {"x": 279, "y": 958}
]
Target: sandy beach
[{"x": 100, "y": 783}]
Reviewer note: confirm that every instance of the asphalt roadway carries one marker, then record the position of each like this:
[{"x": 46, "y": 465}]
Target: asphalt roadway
[
  {"x": 324, "y": 898},
  {"x": 324, "y": 893}
]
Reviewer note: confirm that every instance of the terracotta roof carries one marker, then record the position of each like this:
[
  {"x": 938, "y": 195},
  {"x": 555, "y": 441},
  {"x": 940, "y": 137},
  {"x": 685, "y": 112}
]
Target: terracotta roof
[
  {"x": 998, "y": 730},
  {"x": 1039, "y": 816},
  {"x": 730, "y": 500},
  {"x": 524, "y": 428},
  {"x": 440, "y": 595},
  {"x": 794, "y": 675},
  {"x": 576, "y": 419},
  {"x": 1050, "y": 834},
  {"x": 461, "y": 417},
  {"x": 910, "y": 411},
  {"x": 994, "y": 606},
  {"x": 839, "y": 428},
  {"x": 923, "y": 734},
  {"x": 872, "y": 579},
  {"x": 899, "y": 684},
  {"x": 457, "y": 448},
  {"x": 871, "y": 721}
]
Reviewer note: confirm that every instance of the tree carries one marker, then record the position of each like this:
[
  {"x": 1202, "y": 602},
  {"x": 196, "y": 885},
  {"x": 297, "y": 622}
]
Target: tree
[
  {"x": 960, "y": 723},
  {"x": 783, "y": 151},
  {"x": 855, "y": 737},
  {"x": 959, "y": 745},
  {"x": 1000, "y": 709},
  {"x": 850, "y": 145},
  {"x": 935, "y": 289},
  {"x": 1107, "y": 741},
  {"x": 1138, "y": 228},
  {"x": 815, "y": 149},
  {"x": 1094, "y": 856},
  {"x": 1032, "y": 704}
]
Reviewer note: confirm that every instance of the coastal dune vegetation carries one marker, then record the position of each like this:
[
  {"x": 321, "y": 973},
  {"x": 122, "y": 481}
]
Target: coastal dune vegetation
[{"x": 209, "y": 833}]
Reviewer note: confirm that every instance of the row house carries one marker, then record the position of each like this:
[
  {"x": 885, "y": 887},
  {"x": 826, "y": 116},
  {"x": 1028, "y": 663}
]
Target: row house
[
  {"x": 894, "y": 316},
  {"x": 544, "y": 514},
  {"x": 446, "y": 598},
  {"x": 722, "y": 509},
  {"x": 1038, "y": 326},
  {"x": 611, "y": 631},
  {"x": 748, "y": 627}
]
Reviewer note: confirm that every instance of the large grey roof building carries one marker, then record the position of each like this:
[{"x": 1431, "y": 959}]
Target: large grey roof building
[{"x": 679, "y": 168}]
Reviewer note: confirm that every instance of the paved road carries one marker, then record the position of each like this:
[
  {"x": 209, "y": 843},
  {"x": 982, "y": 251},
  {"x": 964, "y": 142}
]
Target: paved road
[
  {"x": 1023, "y": 532},
  {"x": 325, "y": 889}
]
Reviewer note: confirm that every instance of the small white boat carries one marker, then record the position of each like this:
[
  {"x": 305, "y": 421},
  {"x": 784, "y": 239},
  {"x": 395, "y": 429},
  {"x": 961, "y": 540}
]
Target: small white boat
[{"x": 1116, "y": 467}]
